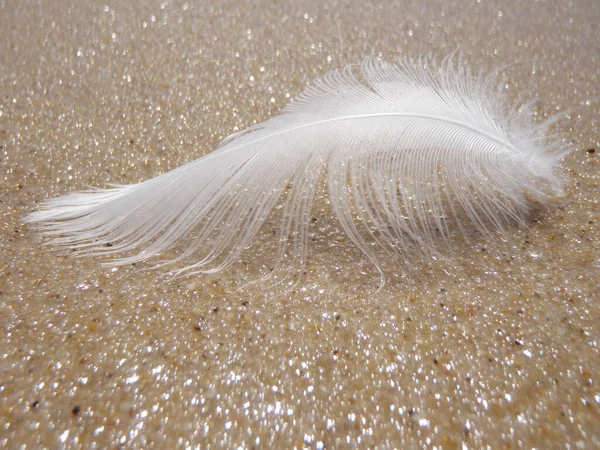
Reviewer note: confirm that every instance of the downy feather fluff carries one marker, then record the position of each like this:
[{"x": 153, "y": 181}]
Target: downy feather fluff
[{"x": 408, "y": 150}]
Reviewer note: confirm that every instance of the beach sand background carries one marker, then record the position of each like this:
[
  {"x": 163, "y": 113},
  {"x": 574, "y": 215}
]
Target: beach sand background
[{"x": 498, "y": 346}]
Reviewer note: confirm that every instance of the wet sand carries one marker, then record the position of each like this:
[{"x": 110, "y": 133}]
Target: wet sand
[{"x": 497, "y": 346}]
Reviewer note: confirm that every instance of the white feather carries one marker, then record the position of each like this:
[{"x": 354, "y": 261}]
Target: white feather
[{"x": 410, "y": 150}]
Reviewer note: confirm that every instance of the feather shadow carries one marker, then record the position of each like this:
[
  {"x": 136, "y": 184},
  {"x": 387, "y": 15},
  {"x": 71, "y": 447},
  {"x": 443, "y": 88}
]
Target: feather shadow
[{"x": 410, "y": 152}]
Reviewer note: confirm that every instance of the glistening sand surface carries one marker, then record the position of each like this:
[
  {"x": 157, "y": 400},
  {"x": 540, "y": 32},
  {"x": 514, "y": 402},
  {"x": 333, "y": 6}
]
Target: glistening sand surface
[{"x": 498, "y": 347}]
